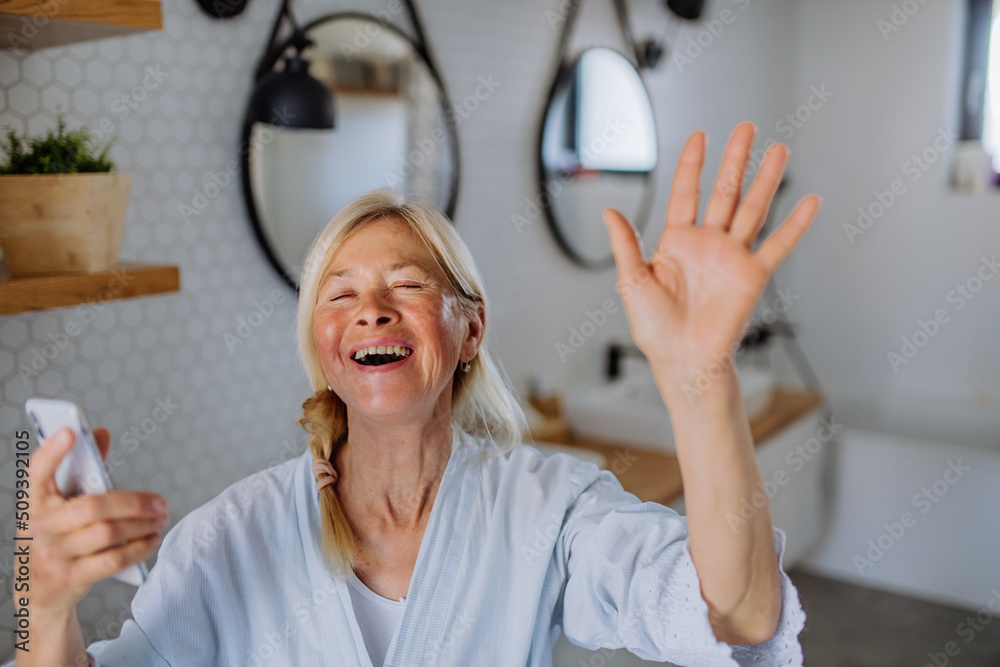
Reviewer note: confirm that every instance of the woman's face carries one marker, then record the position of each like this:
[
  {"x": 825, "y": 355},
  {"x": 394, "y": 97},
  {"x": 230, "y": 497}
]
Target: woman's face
[{"x": 383, "y": 288}]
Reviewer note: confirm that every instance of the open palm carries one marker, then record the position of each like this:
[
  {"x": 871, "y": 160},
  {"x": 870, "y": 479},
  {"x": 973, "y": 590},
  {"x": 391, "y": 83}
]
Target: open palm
[{"x": 687, "y": 306}]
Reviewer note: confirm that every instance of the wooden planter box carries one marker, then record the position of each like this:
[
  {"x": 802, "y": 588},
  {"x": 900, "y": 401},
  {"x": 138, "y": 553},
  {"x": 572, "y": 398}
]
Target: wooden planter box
[{"x": 53, "y": 224}]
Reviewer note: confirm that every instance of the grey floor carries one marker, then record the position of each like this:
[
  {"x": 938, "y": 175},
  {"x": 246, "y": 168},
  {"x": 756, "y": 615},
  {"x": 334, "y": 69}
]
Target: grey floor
[{"x": 853, "y": 626}]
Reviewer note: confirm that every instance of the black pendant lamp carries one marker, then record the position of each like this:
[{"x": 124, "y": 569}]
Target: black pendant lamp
[
  {"x": 290, "y": 97},
  {"x": 687, "y": 9},
  {"x": 223, "y": 9}
]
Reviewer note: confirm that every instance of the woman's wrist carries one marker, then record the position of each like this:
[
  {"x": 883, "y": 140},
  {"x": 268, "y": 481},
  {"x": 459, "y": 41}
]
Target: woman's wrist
[
  {"x": 697, "y": 388},
  {"x": 54, "y": 617},
  {"x": 56, "y": 639}
]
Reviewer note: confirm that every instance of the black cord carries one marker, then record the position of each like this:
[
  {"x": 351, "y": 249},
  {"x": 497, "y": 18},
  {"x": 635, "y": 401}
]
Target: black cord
[
  {"x": 621, "y": 11},
  {"x": 418, "y": 30},
  {"x": 423, "y": 46},
  {"x": 574, "y": 8},
  {"x": 267, "y": 59}
]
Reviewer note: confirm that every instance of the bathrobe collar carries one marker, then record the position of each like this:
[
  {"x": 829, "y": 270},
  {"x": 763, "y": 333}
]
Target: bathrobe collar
[{"x": 429, "y": 596}]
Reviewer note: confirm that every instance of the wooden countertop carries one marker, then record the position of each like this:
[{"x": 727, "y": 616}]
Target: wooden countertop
[{"x": 653, "y": 476}]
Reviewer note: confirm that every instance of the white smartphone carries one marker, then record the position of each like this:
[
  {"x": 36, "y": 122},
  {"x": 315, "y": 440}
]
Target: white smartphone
[{"x": 82, "y": 469}]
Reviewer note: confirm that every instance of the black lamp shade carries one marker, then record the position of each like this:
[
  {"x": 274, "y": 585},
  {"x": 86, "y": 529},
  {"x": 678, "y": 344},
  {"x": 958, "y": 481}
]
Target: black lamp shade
[
  {"x": 292, "y": 98},
  {"x": 686, "y": 9},
  {"x": 223, "y": 9}
]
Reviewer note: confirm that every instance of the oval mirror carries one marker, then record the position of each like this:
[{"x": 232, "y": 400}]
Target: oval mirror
[
  {"x": 597, "y": 150},
  {"x": 392, "y": 129}
]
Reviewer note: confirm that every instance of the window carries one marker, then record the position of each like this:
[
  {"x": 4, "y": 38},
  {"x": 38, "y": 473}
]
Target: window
[
  {"x": 978, "y": 161},
  {"x": 991, "y": 105}
]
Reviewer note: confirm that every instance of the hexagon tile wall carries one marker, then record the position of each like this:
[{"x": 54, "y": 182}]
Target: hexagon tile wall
[{"x": 190, "y": 413}]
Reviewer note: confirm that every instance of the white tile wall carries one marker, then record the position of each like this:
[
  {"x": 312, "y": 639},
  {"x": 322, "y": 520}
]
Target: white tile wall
[
  {"x": 894, "y": 95},
  {"x": 236, "y": 408}
]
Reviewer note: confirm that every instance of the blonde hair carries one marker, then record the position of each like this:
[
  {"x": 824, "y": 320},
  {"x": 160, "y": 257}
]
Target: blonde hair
[{"x": 482, "y": 402}]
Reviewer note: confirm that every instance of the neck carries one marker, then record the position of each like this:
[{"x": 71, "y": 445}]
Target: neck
[{"x": 389, "y": 474}]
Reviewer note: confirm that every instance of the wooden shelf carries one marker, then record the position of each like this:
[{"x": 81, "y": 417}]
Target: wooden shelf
[
  {"x": 70, "y": 21},
  {"x": 19, "y": 295},
  {"x": 657, "y": 477}
]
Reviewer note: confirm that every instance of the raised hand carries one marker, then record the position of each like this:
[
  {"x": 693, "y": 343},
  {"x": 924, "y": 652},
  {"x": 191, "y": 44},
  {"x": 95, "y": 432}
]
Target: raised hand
[{"x": 688, "y": 305}]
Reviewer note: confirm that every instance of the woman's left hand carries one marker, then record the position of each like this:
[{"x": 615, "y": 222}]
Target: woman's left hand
[{"x": 688, "y": 305}]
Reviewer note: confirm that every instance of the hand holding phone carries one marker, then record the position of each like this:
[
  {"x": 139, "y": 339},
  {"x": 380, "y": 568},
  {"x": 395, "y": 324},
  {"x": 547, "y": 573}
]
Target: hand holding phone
[{"x": 90, "y": 530}]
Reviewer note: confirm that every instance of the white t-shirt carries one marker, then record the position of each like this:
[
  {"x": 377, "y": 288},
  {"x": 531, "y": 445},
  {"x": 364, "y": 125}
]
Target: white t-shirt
[{"x": 377, "y": 616}]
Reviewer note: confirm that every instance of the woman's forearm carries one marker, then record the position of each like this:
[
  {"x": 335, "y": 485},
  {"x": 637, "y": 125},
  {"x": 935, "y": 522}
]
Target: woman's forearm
[
  {"x": 735, "y": 557},
  {"x": 56, "y": 639}
]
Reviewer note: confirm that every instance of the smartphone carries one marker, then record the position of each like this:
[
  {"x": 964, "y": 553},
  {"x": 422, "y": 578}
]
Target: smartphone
[{"x": 82, "y": 469}]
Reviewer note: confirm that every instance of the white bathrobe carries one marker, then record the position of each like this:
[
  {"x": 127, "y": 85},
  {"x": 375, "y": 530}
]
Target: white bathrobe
[{"x": 515, "y": 549}]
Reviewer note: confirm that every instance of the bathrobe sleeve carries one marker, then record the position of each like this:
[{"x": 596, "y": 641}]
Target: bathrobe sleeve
[
  {"x": 172, "y": 622},
  {"x": 631, "y": 583}
]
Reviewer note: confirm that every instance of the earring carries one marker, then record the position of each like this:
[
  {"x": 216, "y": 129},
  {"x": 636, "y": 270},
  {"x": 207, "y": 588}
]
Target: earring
[
  {"x": 466, "y": 367},
  {"x": 329, "y": 388}
]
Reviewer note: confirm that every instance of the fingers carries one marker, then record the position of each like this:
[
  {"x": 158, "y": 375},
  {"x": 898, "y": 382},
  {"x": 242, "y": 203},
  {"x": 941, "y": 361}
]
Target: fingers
[
  {"x": 685, "y": 191},
  {"x": 777, "y": 246},
  {"x": 42, "y": 466},
  {"x": 81, "y": 511},
  {"x": 102, "y": 437},
  {"x": 729, "y": 183},
  {"x": 106, "y": 563},
  {"x": 104, "y": 535},
  {"x": 625, "y": 244},
  {"x": 753, "y": 210}
]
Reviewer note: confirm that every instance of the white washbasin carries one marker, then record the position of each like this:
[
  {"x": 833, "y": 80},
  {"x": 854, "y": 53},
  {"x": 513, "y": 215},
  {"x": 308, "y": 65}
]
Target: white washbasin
[{"x": 631, "y": 411}]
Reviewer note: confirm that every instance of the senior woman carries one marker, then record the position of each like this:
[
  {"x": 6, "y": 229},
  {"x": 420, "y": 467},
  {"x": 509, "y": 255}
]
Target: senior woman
[{"x": 414, "y": 530}]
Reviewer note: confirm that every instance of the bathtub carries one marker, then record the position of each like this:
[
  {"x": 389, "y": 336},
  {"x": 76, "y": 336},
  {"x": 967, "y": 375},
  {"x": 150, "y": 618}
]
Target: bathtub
[{"x": 914, "y": 504}]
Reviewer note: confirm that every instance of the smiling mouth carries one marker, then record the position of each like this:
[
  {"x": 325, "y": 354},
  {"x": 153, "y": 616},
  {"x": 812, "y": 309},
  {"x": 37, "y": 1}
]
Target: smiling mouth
[{"x": 381, "y": 355}]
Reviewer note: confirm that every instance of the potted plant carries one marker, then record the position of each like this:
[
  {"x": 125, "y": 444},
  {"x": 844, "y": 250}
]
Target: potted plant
[{"x": 62, "y": 209}]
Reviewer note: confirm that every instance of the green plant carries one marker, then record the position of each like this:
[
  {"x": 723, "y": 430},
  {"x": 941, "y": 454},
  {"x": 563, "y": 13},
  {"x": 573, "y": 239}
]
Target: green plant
[{"x": 63, "y": 152}]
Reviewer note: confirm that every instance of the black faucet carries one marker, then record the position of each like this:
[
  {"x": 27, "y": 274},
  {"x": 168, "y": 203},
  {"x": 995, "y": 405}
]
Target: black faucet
[
  {"x": 756, "y": 336},
  {"x": 614, "y": 358}
]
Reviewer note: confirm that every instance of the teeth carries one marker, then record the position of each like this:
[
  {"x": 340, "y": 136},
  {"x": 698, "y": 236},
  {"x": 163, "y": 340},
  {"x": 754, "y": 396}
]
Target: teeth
[{"x": 398, "y": 350}]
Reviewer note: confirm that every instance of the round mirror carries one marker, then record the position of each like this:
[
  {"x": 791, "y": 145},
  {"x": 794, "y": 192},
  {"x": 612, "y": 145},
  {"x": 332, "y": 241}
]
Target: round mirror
[
  {"x": 598, "y": 150},
  {"x": 392, "y": 128}
]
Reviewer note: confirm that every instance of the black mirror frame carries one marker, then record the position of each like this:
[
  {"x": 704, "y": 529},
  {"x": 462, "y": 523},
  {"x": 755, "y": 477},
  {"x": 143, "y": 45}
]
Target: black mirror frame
[
  {"x": 566, "y": 70},
  {"x": 244, "y": 146}
]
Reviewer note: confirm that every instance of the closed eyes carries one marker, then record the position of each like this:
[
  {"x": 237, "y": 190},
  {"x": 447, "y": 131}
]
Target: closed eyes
[{"x": 338, "y": 297}]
